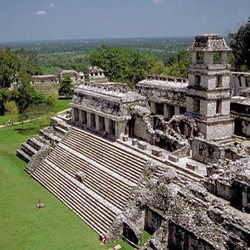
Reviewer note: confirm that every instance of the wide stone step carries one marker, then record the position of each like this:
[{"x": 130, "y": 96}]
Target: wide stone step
[
  {"x": 60, "y": 130},
  {"x": 109, "y": 151},
  {"x": 115, "y": 198},
  {"x": 121, "y": 169},
  {"x": 36, "y": 144},
  {"x": 75, "y": 163},
  {"x": 50, "y": 137},
  {"x": 108, "y": 145},
  {"x": 105, "y": 185},
  {"x": 92, "y": 211},
  {"x": 107, "y": 157},
  {"x": 73, "y": 206},
  {"x": 28, "y": 149},
  {"x": 22, "y": 155}
]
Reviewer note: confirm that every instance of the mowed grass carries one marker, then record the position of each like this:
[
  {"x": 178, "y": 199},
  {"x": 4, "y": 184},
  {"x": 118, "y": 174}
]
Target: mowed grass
[
  {"x": 22, "y": 227},
  {"x": 61, "y": 104}
]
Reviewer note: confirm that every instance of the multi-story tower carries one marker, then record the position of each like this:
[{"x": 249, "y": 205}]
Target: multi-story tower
[{"x": 208, "y": 95}]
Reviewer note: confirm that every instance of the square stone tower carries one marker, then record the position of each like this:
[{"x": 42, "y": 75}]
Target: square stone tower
[{"x": 208, "y": 95}]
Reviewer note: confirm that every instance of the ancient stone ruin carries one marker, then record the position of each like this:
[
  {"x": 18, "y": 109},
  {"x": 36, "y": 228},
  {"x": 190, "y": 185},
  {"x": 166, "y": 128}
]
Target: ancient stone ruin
[{"x": 163, "y": 158}]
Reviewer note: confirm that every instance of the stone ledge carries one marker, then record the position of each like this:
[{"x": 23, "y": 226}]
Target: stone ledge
[
  {"x": 125, "y": 138},
  {"x": 173, "y": 158},
  {"x": 142, "y": 145},
  {"x": 192, "y": 166},
  {"x": 157, "y": 152},
  {"x": 134, "y": 142}
]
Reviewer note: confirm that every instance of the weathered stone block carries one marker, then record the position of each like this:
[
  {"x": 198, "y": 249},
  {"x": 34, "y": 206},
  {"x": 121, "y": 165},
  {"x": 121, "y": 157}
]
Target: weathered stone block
[
  {"x": 192, "y": 166},
  {"x": 157, "y": 152},
  {"x": 142, "y": 145},
  {"x": 173, "y": 158},
  {"x": 125, "y": 138},
  {"x": 134, "y": 142}
]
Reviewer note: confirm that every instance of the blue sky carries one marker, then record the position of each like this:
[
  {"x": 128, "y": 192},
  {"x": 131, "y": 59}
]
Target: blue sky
[{"x": 27, "y": 20}]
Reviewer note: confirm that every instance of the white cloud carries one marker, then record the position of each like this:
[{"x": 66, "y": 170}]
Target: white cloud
[
  {"x": 158, "y": 1},
  {"x": 239, "y": 13},
  {"x": 41, "y": 13},
  {"x": 51, "y": 5}
]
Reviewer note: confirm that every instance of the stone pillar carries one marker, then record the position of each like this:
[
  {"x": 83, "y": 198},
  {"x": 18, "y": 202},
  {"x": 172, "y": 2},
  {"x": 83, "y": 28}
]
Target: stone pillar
[
  {"x": 73, "y": 114},
  {"x": 88, "y": 119},
  {"x": 80, "y": 116},
  {"x": 208, "y": 58},
  {"x": 106, "y": 124},
  {"x": 194, "y": 59},
  {"x": 152, "y": 107},
  {"x": 120, "y": 128},
  {"x": 223, "y": 57},
  {"x": 165, "y": 111},
  {"x": 176, "y": 110},
  {"x": 97, "y": 123},
  {"x": 84, "y": 118}
]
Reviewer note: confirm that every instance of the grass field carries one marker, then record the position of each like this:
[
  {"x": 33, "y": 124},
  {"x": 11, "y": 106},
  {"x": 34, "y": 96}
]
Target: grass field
[
  {"x": 60, "y": 105},
  {"x": 22, "y": 227}
]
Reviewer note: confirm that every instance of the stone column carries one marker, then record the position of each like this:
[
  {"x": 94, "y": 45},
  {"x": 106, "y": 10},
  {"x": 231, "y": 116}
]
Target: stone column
[
  {"x": 152, "y": 107},
  {"x": 73, "y": 114},
  {"x": 106, "y": 124},
  {"x": 165, "y": 111},
  {"x": 120, "y": 128},
  {"x": 97, "y": 123},
  {"x": 88, "y": 119},
  {"x": 176, "y": 110},
  {"x": 80, "y": 116}
]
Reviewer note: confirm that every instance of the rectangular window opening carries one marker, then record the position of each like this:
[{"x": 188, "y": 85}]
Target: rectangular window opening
[
  {"x": 218, "y": 81},
  {"x": 200, "y": 57},
  {"x": 218, "y": 107},
  {"x": 217, "y": 58},
  {"x": 197, "y": 80},
  {"x": 196, "y": 105}
]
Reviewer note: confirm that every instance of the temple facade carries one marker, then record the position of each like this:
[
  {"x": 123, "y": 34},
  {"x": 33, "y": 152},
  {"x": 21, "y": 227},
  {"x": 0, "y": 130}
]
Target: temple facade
[{"x": 104, "y": 107}]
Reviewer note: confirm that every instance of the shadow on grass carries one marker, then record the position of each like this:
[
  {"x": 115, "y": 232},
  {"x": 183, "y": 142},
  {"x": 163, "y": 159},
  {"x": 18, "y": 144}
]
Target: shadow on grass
[{"x": 26, "y": 131}]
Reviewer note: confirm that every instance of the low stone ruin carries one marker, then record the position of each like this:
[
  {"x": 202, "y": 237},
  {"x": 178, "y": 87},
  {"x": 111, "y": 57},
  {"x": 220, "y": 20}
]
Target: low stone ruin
[
  {"x": 180, "y": 214},
  {"x": 231, "y": 181}
]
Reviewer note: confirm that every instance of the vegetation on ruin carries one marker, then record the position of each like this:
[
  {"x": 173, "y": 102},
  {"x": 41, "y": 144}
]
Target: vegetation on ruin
[
  {"x": 240, "y": 44},
  {"x": 65, "y": 87},
  {"x": 22, "y": 227}
]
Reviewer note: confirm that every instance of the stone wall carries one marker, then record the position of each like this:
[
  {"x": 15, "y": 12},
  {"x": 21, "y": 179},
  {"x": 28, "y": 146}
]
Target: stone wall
[
  {"x": 230, "y": 180},
  {"x": 238, "y": 82},
  {"x": 206, "y": 152}
]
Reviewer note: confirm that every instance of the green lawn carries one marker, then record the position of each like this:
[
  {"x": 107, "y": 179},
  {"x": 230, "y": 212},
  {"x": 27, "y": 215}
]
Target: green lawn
[
  {"x": 22, "y": 227},
  {"x": 60, "y": 105}
]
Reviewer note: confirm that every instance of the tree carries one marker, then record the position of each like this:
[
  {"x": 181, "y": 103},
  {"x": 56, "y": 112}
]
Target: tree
[
  {"x": 178, "y": 64},
  {"x": 11, "y": 110},
  {"x": 26, "y": 95},
  {"x": 240, "y": 44},
  {"x": 119, "y": 64},
  {"x": 65, "y": 87}
]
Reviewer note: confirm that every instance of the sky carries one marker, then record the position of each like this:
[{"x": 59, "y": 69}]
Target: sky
[{"x": 33, "y": 20}]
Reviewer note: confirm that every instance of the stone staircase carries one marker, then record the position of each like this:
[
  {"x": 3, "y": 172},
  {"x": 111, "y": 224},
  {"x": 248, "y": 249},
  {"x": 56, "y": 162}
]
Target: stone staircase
[
  {"x": 89, "y": 206},
  {"x": 110, "y": 172},
  {"x": 29, "y": 148}
]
